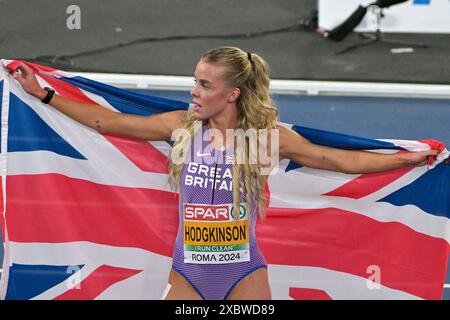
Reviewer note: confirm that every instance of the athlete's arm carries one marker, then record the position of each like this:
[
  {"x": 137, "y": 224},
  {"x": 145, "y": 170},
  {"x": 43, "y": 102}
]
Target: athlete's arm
[
  {"x": 295, "y": 147},
  {"x": 155, "y": 127}
]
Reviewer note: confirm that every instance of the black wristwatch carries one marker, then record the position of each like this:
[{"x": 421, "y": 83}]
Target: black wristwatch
[{"x": 49, "y": 95}]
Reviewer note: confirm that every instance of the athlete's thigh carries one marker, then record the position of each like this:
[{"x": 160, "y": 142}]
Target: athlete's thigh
[
  {"x": 254, "y": 286},
  {"x": 180, "y": 288}
]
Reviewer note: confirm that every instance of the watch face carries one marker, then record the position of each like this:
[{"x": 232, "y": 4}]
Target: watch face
[{"x": 49, "y": 95}]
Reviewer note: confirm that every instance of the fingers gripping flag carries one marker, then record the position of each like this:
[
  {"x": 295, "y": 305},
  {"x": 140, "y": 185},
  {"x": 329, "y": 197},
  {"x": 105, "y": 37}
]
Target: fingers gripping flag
[{"x": 86, "y": 215}]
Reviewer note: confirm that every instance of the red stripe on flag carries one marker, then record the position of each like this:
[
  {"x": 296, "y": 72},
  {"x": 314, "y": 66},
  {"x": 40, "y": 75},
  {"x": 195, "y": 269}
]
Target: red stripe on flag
[
  {"x": 66, "y": 90},
  {"x": 434, "y": 144},
  {"x": 367, "y": 184},
  {"x": 308, "y": 294},
  {"x": 144, "y": 155},
  {"x": 54, "y": 208},
  {"x": 98, "y": 281},
  {"x": 348, "y": 242},
  {"x": 41, "y": 67},
  {"x": 12, "y": 66}
]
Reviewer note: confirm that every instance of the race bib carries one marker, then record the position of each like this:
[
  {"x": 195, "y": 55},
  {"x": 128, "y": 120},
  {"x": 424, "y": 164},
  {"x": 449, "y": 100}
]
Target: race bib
[{"x": 214, "y": 235}]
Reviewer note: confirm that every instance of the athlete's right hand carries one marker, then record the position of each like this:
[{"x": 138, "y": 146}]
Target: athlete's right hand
[{"x": 25, "y": 76}]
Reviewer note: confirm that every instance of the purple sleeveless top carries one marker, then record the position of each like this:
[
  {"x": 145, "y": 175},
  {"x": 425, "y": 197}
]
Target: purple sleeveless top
[{"x": 213, "y": 249}]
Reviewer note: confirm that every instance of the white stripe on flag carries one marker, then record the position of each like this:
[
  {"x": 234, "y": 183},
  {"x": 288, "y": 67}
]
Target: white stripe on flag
[
  {"x": 338, "y": 285},
  {"x": 44, "y": 162}
]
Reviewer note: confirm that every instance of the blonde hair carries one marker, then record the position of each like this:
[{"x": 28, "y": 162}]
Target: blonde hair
[{"x": 250, "y": 73}]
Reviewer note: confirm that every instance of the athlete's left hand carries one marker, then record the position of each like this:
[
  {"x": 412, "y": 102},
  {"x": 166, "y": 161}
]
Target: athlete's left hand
[{"x": 422, "y": 158}]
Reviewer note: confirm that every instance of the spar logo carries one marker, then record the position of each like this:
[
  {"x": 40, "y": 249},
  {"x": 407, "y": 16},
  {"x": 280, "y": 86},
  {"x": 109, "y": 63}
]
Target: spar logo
[{"x": 202, "y": 212}]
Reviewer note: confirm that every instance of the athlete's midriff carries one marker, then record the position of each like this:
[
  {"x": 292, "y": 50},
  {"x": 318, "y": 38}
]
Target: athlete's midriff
[{"x": 215, "y": 247}]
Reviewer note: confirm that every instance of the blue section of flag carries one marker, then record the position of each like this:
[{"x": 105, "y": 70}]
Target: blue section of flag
[
  {"x": 421, "y": 1},
  {"x": 127, "y": 101},
  {"x": 28, "y": 132},
  {"x": 28, "y": 281},
  {"x": 342, "y": 141},
  {"x": 338, "y": 140},
  {"x": 434, "y": 201}
]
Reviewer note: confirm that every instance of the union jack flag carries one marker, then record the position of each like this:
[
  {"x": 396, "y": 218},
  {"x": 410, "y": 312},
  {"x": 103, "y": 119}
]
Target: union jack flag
[{"x": 87, "y": 215}]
